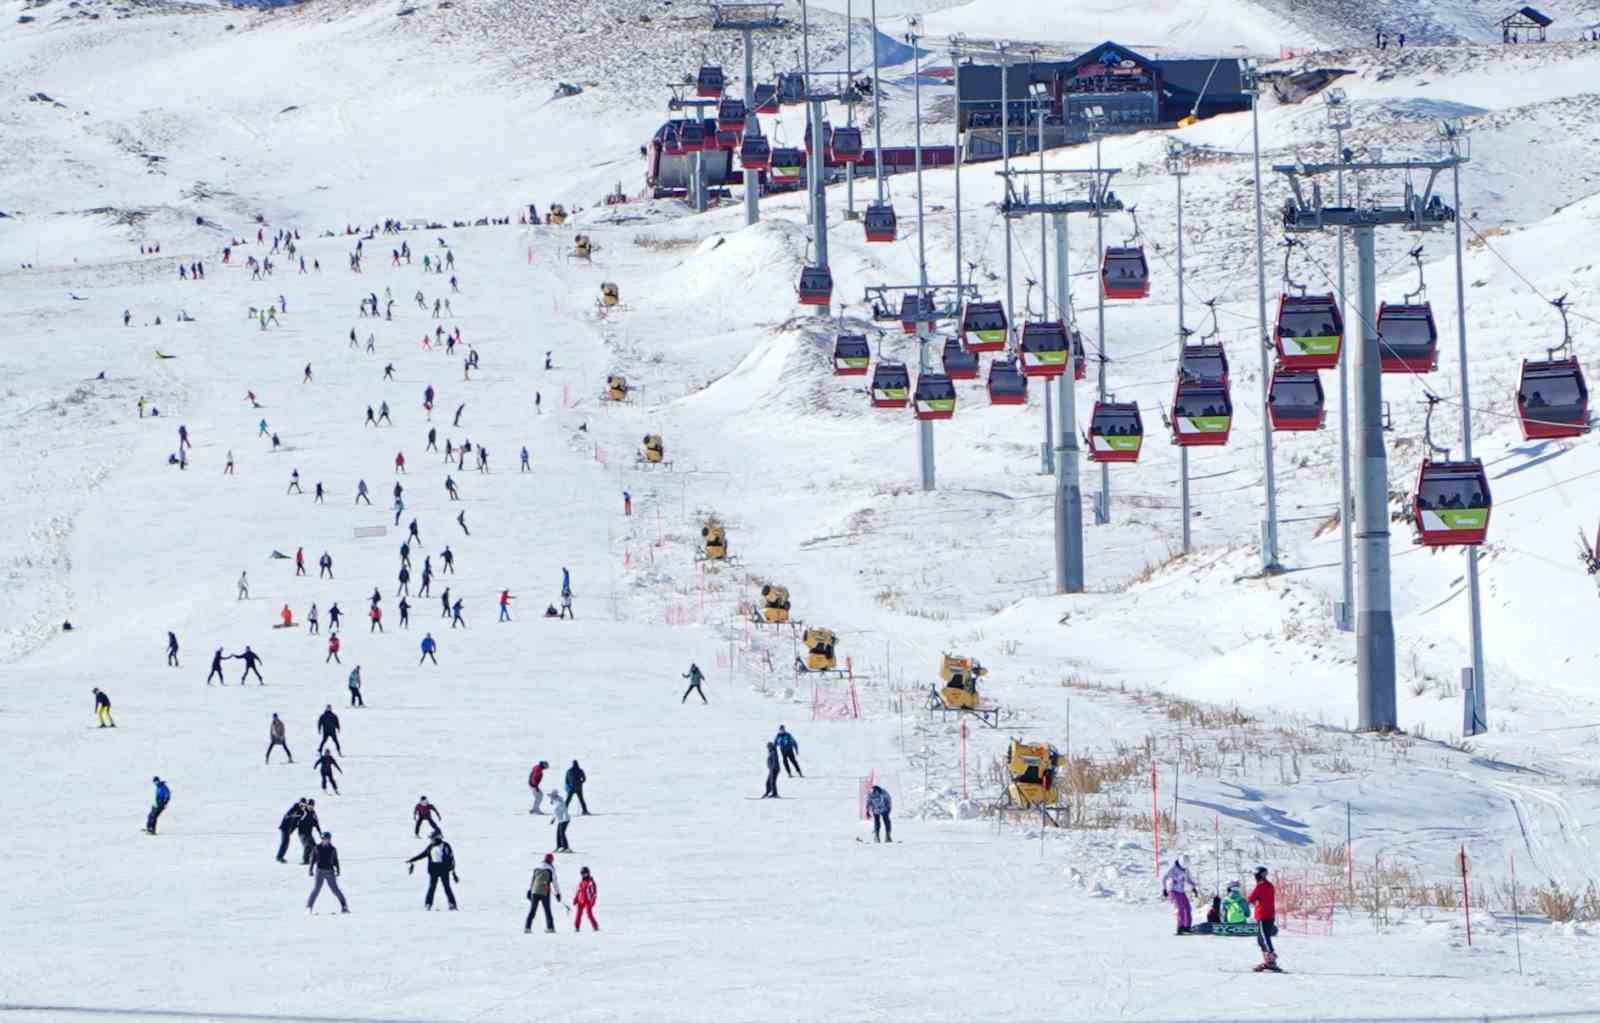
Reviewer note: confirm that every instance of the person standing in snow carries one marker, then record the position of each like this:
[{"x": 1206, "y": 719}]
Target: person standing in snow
[
  {"x": 771, "y": 791},
  {"x": 428, "y": 647},
  {"x": 425, "y": 811},
  {"x": 354, "y": 685},
  {"x": 540, "y": 887},
  {"x": 172, "y": 650},
  {"x": 588, "y": 894},
  {"x": 250, "y": 659},
  {"x": 275, "y": 738},
  {"x": 312, "y": 624},
  {"x": 789, "y": 749},
  {"x": 535, "y": 780},
  {"x": 286, "y": 827},
  {"x": 695, "y": 677},
  {"x": 325, "y": 566},
  {"x": 455, "y": 614},
  {"x": 333, "y": 615},
  {"x": 305, "y": 828},
  {"x": 325, "y": 867},
  {"x": 560, "y": 817},
  {"x": 1173, "y": 884},
  {"x": 879, "y": 805},
  {"x": 505, "y": 605},
  {"x": 575, "y": 780},
  {"x": 216, "y": 667},
  {"x": 405, "y": 614},
  {"x": 441, "y": 868},
  {"x": 1264, "y": 897},
  {"x": 333, "y": 649},
  {"x": 361, "y": 492},
  {"x": 327, "y": 765},
  {"x": 244, "y": 586},
  {"x": 102, "y": 708},
  {"x": 328, "y": 728},
  {"x": 163, "y": 797}
]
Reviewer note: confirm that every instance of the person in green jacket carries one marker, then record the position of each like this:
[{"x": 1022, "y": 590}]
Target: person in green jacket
[{"x": 1234, "y": 909}]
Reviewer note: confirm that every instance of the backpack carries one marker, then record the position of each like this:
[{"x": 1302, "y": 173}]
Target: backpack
[{"x": 541, "y": 880}]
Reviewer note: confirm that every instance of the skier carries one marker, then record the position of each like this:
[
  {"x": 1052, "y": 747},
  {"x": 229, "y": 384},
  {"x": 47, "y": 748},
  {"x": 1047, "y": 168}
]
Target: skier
[
  {"x": 695, "y": 677},
  {"x": 535, "y": 779},
  {"x": 425, "y": 811},
  {"x": 333, "y": 649},
  {"x": 566, "y": 607},
  {"x": 772, "y": 773},
  {"x": 286, "y": 826},
  {"x": 399, "y": 464},
  {"x": 505, "y": 605},
  {"x": 102, "y": 708},
  {"x": 405, "y": 614},
  {"x": 441, "y": 867},
  {"x": 575, "y": 779},
  {"x": 449, "y": 558},
  {"x": 455, "y": 614},
  {"x": 1264, "y": 897},
  {"x": 433, "y": 439},
  {"x": 444, "y": 601},
  {"x": 450, "y": 488},
  {"x": 328, "y": 728},
  {"x": 789, "y": 749},
  {"x": 244, "y": 586},
  {"x": 583, "y": 902},
  {"x": 428, "y": 647},
  {"x": 459, "y": 409},
  {"x": 333, "y": 615},
  {"x": 372, "y": 419},
  {"x": 461, "y": 520},
  {"x": 361, "y": 492},
  {"x": 627, "y": 503},
  {"x": 307, "y": 825},
  {"x": 275, "y": 739},
  {"x": 879, "y": 805},
  {"x": 525, "y": 467},
  {"x": 318, "y": 492},
  {"x": 1173, "y": 884},
  {"x": 540, "y": 887},
  {"x": 312, "y": 624},
  {"x": 327, "y": 765},
  {"x": 294, "y": 483},
  {"x": 163, "y": 797},
  {"x": 354, "y": 685},
  {"x": 216, "y": 667},
  {"x": 325, "y": 564},
  {"x": 250, "y": 659},
  {"x": 560, "y": 817},
  {"x": 325, "y": 867},
  {"x": 172, "y": 650},
  {"x": 376, "y": 614},
  {"x": 412, "y": 534}
]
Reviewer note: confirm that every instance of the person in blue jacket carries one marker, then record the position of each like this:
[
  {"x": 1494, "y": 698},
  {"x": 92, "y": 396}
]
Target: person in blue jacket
[
  {"x": 790, "y": 749},
  {"x": 428, "y": 647},
  {"x": 566, "y": 583},
  {"x": 879, "y": 805},
  {"x": 163, "y": 797}
]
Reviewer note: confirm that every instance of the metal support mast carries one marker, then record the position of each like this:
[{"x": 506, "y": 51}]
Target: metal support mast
[
  {"x": 1269, "y": 531},
  {"x": 1005, "y": 166},
  {"x": 924, "y": 427},
  {"x": 877, "y": 108},
  {"x": 1344, "y": 620},
  {"x": 748, "y": 19},
  {"x": 1046, "y": 459},
  {"x": 1177, "y": 167},
  {"x": 1102, "y": 508}
]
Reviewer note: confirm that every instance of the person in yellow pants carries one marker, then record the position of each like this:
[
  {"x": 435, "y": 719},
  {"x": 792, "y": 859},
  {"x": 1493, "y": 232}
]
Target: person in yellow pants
[{"x": 102, "y": 709}]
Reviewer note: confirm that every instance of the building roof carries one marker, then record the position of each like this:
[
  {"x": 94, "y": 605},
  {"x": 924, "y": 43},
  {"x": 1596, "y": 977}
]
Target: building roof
[
  {"x": 980, "y": 83},
  {"x": 1225, "y": 75},
  {"x": 1530, "y": 15}
]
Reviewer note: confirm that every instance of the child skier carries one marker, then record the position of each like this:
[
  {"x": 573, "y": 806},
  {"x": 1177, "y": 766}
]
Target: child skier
[{"x": 584, "y": 900}]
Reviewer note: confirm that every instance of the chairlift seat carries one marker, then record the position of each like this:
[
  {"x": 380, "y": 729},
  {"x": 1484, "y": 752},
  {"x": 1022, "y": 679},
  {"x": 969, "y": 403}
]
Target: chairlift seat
[
  {"x": 1451, "y": 504},
  {"x": 1310, "y": 332},
  {"x": 1116, "y": 432},
  {"x": 934, "y": 397},
  {"x": 891, "y": 385},
  {"x": 851, "y": 355}
]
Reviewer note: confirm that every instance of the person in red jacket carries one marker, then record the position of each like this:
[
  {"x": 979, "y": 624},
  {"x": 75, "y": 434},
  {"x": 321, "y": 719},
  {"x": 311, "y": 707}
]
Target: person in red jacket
[
  {"x": 376, "y": 614},
  {"x": 1264, "y": 897},
  {"x": 535, "y": 779},
  {"x": 584, "y": 901},
  {"x": 333, "y": 650},
  {"x": 425, "y": 811}
]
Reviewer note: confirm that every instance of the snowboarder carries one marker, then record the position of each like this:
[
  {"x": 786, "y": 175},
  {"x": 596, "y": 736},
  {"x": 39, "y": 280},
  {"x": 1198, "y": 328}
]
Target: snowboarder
[
  {"x": 354, "y": 685},
  {"x": 695, "y": 677},
  {"x": 790, "y": 750},
  {"x": 102, "y": 708},
  {"x": 879, "y": 806},
  {"x": 328, "y": 728},
  {"x": 327, "y": 765},
  {"x": 275, "y": 738},
  {"x": 172, "y": 650},
  {"x": 535, "y": 780},
  {"x": 1173, "y": 884},
  {"x": 163, "y": 797},
  {"x": 286, "y": 826},
  {"x": 583, "y": 902},
  {"x": 1264, "y": 897},
  {"x": 772, "y": 772},
  {"x": 325, "y": 867},
  {"x": 575, "y": 779},
  {"x": 425, "y": 811},
  {"x": 560, "y": 817},
  {"x": 441, "y": 868},
  {"x": 540, "y": 887},
  {"x": 428, "y": 647},
  {"x": 250, "y": 659},
  {"x": 216, "y": 667}
]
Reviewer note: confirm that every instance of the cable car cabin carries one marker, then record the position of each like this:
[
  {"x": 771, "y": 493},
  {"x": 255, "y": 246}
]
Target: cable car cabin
[
  {"x": 983, "y": 326},
  {"x": 765, "y": 99},
  {"x": 1124, "y": 273},
  {"x": 935, "y": 397},
  {"x": 816, "y": 286},
  {"x": 610, "y": 294},
  {"x": 1409, "y": 340},
  {"x": 959, "y": 363},
  {"x": 891, "y": 385},
  {"x": 1204, "y": 364},
  {"x": 652, "y": 450},
  {"x": 1202, "y": 414},
  {"x": 844, "y": 145},
  {"x": 827, "y": 133},
  {"x": 1451, "y": 504},
  {"x": 1033, "y": 767},
  {"x": 960, "y": 677},
  {"x": 726, "y": 138},
  {"x": 1295, "y": 401},
  {"x": 1007, "y": 385},
  {"x": 1116, "y": 432},
  {"x": 1552, "y": 399},
  {"x": 1044, "y": 348},
  {"x": 879, "y": 222},
  {"x": 774, "y": 604},
  {"x": 692, "y": 137},
  {"x": 1310, "y": 332},
  {"x": 786, "y": 167},
  {"x": 714, "y": 540},
  {"x": 731, "y": 114},
  {"x": 1080, "y": 362},
  {"x": 851, "y": 356},
  {"x": 616, "y": 387},
  {"x": 791, "y": 88},
  {"x": 709, "y": 82},
  {"x": 915, "y": 309},
  {"x": 819, "y": 651},
  {"x": 755, "y": 153}
]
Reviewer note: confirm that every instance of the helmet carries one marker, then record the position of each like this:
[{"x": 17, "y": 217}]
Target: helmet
[
  {"x": 1261, "y": 873},
  {"x": 550, "y": 857},
  {"x": 327, "y": 835}
]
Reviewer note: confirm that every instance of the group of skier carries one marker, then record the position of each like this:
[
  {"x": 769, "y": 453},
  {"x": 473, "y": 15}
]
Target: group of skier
[{"x": 1232, "y": 912}]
